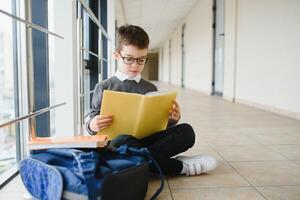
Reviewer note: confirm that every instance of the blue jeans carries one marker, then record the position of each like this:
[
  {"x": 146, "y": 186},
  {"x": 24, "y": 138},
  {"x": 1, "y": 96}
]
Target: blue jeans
[{"x": 77, "y": 168}]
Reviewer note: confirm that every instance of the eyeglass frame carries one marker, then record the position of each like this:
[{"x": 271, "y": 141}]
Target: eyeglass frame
[{"x": 133, "y": 59}]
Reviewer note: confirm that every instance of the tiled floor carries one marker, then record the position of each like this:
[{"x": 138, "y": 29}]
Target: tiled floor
[{"x": 258, "y": 153}]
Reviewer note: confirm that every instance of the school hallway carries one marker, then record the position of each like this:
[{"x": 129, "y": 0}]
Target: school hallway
[
  {"x": 258, "y": 153},
  {"x": 235, "y": 64}
]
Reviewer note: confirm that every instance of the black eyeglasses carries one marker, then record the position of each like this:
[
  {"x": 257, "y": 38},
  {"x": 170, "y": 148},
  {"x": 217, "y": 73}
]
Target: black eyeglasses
[{"x": 130, "y": 60}]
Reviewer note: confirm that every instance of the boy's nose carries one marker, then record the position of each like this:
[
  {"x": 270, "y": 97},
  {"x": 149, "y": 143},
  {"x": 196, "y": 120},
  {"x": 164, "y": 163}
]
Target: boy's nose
[{"x": 135, "y": 63}]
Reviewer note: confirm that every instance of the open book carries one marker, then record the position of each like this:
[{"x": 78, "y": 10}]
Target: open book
[
  {"x": 94, "y": 141},
  {"x": 136, "y": 114}
]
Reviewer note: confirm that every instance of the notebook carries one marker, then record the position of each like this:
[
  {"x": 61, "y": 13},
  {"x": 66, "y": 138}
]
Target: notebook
[{"x": 95, "y": 141}]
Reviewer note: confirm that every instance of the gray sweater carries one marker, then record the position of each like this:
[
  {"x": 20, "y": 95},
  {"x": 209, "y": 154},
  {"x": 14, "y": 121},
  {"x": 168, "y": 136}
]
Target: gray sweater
[{"x": 113, "y": 83}]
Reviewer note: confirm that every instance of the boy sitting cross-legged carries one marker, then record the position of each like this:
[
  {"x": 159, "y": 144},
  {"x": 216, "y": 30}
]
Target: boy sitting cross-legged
[{"x": 131, "y": 54}]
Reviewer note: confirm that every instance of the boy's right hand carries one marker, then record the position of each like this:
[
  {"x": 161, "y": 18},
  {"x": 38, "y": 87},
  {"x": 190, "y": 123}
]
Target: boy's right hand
[{"x": 100, "y": 122}]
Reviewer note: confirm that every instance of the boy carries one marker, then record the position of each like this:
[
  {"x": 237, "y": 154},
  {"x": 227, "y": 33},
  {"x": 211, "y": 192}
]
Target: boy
[{"x": 131, "y": 54}]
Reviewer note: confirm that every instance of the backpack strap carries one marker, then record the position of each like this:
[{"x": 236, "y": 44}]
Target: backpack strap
[
  {"x": 124, "y": 149},
  {"x": 87, "y": 165}
]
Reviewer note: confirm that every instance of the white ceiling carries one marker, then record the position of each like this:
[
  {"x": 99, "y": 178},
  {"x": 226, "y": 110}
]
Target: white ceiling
[{"x": 158, "y": 18}]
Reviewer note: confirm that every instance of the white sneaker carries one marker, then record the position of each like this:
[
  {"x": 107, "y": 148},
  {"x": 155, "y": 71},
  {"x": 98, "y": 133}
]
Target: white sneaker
[{"x": 196, "y": 165}]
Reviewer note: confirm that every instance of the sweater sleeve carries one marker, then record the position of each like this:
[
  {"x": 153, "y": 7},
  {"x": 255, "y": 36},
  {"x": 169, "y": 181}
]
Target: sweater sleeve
[
  {"x": 171, "y": 122},
  {"x": 96, "y": 105}
]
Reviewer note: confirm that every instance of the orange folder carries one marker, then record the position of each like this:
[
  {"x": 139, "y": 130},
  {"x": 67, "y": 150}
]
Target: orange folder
[{"x": 95, "y": 141}]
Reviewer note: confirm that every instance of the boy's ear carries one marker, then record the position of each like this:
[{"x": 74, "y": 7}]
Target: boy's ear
[{"x": 115, "y": 55}]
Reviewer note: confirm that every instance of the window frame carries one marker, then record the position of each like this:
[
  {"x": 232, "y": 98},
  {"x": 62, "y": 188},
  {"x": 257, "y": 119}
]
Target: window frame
[{"x": 9, "y": 174}]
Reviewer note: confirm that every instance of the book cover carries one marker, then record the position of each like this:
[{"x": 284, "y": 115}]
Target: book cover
[
  {"x": 136, "y": 114},
  {"x": 94, "y": 141}
]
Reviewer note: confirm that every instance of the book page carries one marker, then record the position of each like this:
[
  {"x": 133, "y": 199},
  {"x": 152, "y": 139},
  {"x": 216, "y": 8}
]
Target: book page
[
  {"x": 155, "y": 113},
  {"x": 125, "y": 110}
]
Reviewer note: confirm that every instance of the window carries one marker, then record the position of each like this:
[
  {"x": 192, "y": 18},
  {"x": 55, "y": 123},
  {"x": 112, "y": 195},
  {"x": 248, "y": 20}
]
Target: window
[
  {"x": 39, "y": 16},
  {"x": 13, "y": 87},
  {"x": 95, "y": 69},
  {"x": 9, "y": 153},
  {"x": 17, "y": 82}
]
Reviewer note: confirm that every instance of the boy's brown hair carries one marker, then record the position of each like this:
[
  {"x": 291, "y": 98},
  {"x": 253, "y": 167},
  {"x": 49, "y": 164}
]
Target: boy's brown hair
[{"x": 132, "y": 35}]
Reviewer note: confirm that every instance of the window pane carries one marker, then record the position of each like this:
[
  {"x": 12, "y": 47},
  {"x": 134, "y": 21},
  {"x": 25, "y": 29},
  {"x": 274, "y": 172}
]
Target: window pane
[{"x": 7, "y": 91}]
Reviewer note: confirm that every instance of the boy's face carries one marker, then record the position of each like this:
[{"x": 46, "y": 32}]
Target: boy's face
[{"x": 131, "y": 60}]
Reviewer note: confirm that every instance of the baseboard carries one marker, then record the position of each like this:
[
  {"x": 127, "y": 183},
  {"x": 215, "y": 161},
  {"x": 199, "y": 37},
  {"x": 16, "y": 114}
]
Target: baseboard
[
  {"x": 230, "y": 99},
  {"x": 286, "y": 113}
]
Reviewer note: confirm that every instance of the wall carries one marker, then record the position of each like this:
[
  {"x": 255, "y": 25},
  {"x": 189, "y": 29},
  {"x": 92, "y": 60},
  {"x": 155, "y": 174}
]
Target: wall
[
  {"x": 267, "y": 55},
  {"x": 165, "y": 62},
  {"x": 262, "y": 43},
  {"x": 198, "y": 45},
  {"x": 176, "y": 57},
  {"x": 230, "y": 49},
  {"x": 120, "y": 15},
  {"x": 150, "y": 71},
  {"x": 160, "y": 61}
]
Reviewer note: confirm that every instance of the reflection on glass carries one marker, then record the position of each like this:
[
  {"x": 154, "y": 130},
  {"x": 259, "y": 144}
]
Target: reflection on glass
[
  {"x": 7, "y": 148},
  {"x": 7, "y": 104}
]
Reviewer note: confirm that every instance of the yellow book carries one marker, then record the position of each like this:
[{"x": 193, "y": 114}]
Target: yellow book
[{"x": 136, "y": 114}]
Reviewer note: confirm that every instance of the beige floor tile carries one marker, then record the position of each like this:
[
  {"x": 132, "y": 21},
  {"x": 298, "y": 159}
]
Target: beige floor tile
[
  {"x": 11, "y": 195},
  {"x": 247, "y": 153},
  {"x": 269, "y": 129},
  {"x": 275, "y": 134},
  {"x": 218, "y": 131},
  {"x": 269, "y": 173},
  {"x": 277, "y": 138},
  {"x": 281, "y": 193},
  {"x": 245, "y": 193},
  {"x": 199, "y": 142},
  {"x": 291, "y": 152},
  {"x": 229, "y": 139},
  {"x": 223, "y": 176},
  {"x": 202, "y": 150},
  {"x": 155, "y": 182},
  {"x": 15, "y": 185},
  {"x": 13, "y": 190},
  {"x": 164, "y": 195}
]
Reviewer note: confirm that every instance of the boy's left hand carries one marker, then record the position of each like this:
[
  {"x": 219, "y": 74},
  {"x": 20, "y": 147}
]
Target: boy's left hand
[{"x": 175, "y": 112}]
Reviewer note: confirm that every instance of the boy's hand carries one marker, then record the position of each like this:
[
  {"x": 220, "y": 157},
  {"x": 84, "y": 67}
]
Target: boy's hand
[
  {"x": 175, "y": 112},
  {"x": 100, "y": 122}
]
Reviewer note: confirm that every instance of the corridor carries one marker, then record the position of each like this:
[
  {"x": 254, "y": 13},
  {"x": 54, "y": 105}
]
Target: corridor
[{"x": 258, "y": 153}]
